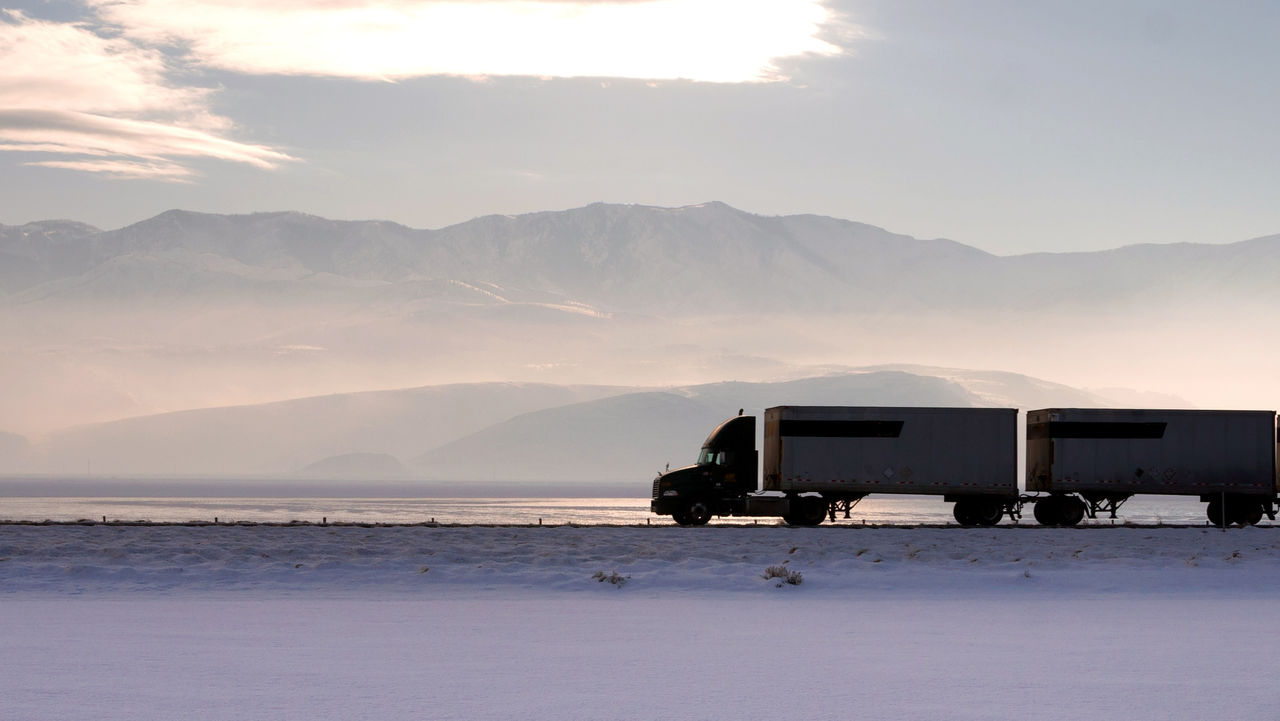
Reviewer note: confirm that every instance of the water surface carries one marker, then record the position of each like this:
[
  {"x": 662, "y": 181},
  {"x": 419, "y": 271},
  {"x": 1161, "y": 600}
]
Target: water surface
[{"x": 902, "y": 510}]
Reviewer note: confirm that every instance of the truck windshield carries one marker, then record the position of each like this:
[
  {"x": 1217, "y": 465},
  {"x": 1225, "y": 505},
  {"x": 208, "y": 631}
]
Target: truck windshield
[{"x": 710, "y": 457}]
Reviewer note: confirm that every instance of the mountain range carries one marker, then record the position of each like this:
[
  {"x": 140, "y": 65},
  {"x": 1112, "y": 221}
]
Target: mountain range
[
  {"x": 195, "y": 343},
  {"x": 694, "y": 260}
]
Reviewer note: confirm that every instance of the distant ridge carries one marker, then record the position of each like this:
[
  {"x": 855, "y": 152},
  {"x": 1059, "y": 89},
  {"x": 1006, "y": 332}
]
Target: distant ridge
[
  {"x": 618, "y": 258},
  {"x": 499, "y": 431}
]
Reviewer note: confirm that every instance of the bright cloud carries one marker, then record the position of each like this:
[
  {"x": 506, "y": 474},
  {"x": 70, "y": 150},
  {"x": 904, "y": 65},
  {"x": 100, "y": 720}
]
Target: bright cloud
[
  {"x": 103, "y": 95},
  {"x": 727, "y": 41},
  {"x": 64, "y": 66},
  {"x": 105, "y": 102}
]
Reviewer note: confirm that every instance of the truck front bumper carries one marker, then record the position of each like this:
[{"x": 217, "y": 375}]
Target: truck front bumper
[{"x": 665, "y": 506}]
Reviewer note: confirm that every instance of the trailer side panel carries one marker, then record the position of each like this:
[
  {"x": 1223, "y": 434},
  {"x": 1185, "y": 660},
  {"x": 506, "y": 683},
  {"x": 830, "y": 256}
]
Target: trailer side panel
[{"x": 858, "y": 450}]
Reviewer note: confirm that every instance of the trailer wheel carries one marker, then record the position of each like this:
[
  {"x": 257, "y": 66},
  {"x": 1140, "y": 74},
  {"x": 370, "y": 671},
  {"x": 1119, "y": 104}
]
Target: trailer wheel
[
  {"x": 696, "y": 513},
  {"x": 1240, "y": 512},
  {"x": 1070, "y": 511},
  {"x": 1251, "y": 514},
  {"x": 965, "y": 513},
  {"x": 987, "y": 511},
  {"x": 1046, "y": 511},
  {"x": 1214, "y": 512},
  {"x": 809, "y": 511}
]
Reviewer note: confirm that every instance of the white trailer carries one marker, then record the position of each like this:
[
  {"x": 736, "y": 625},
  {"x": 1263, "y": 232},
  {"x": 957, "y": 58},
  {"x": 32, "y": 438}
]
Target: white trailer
[{"x": 1092, "y": 460}]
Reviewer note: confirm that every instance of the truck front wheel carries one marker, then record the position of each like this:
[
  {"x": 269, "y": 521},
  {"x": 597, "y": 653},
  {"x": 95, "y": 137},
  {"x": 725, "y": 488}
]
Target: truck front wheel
[{"x": 696, "y": 513}]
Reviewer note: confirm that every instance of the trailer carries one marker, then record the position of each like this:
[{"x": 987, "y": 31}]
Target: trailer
[
  {"x": 822, "y": 460},
  {"x": 1092, "y": 460}
]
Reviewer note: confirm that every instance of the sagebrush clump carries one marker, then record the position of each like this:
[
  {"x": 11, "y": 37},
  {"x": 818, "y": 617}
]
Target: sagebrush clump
[
  {"x": 612, "y": 577},
  {"x": 784, "y": 575}
]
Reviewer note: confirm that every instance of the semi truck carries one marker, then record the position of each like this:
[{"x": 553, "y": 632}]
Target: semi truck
[{"x": 820, "y": 461}]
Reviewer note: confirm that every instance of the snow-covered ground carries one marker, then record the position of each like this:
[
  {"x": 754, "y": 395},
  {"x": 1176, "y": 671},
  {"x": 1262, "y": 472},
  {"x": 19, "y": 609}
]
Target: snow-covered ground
[{"x": 222, "y": 622}]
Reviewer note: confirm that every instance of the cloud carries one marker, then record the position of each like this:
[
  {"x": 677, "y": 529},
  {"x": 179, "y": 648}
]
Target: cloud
[
  {"x": 727, "y": 41},
  {"x": 104, "y": 94},
  {"x": 106, "y": 102},
  {"x": 121, "y": 146},
  {"x": 131, "y": 169}
]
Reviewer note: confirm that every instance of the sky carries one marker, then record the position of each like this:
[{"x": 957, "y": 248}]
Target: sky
[{"x": 1008, "y": 125}]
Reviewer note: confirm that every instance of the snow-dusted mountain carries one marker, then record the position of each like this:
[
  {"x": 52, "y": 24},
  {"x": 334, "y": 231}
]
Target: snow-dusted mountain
[
  {"x": 618, "y": 258},
  {"x": 190, "y": 310}
]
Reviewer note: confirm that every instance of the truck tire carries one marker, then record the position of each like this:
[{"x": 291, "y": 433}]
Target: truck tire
[
  {"x": 1070, "y": 511},
  {"x": 1046, "y": 511},
  {"x": 987, "y": 511},
  {"x": 1214, "y": 512},
  {"x": 965, "y": 513},
  {"x": 1252, "y": 514},
  {"x": 1238, "y": 511},
  {"x": 806, "y": 511},
  {"x": 696, "y": 513}
]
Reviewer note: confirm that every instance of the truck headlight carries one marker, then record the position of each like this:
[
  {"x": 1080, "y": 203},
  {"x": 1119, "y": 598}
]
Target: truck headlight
[{"x": 670, "y": 494}]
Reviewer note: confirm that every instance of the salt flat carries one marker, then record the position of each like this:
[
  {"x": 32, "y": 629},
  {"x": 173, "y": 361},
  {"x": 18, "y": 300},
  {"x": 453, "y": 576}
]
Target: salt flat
[{"x": 509, "y": 623}]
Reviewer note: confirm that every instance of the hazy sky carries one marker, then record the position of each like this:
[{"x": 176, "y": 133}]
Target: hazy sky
[{"x": 1013, "y": 126}]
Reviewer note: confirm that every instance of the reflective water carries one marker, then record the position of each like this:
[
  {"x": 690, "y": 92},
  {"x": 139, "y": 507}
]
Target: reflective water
[{"x": 903, "y": 510}]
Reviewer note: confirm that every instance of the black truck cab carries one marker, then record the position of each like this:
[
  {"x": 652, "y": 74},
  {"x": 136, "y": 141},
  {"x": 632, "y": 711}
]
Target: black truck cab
[{"x": 725, "y": 470}]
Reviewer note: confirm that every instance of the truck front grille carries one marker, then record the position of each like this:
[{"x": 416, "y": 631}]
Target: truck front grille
[{"x": 655, "y": 486}]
